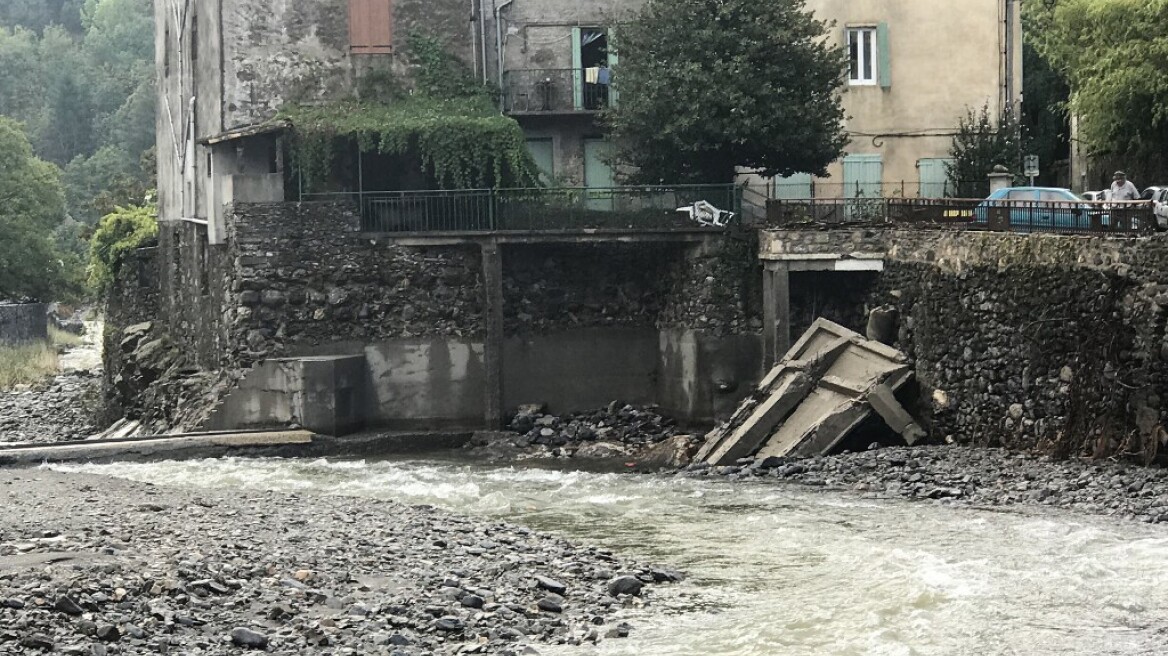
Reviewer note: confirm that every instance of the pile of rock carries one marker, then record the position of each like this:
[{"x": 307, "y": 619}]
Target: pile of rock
[
  {"x": 59, "y": 410},
  {"x": 617, "y": 422},
  {"x": 164, "y": 570},
  {"x": 974, "y": 475},
  {"x": 639, "y": 436}
]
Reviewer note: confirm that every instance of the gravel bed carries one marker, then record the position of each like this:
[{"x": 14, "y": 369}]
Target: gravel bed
[
  {"x": 93, "y": 565},
  {"x": 971, "y": 475},
  {"x": 58, "y": 410}
]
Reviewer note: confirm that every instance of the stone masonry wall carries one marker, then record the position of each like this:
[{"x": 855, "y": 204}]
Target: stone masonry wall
[
  {"x": 1046, "y": 342},
  {"x": 716, "y": 288},
  {"x": 21, "y": 323},
  {"x": 709, "y": 287},
  {"x": 305, "y": 278},
  {"x": 133, "y": 299}
]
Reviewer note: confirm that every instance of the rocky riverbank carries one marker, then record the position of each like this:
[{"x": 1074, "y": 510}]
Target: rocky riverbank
[
  {"x": 57, "y": 410},
  {"x": 94, "y": 565},
  {"x": 971, "y": 475}
]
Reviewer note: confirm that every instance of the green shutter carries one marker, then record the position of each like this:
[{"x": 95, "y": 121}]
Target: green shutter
[
  {"x": 934, "y": 177},
  {"x": 863, "y": 175},
  {"x": 612, "y": 61},
  {"x": 577, "y": 71},
  {"x": 883, "y": 57}
]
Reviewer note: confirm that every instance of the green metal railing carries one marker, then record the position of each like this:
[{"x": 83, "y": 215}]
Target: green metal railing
[{"x": 536, "y": 209}]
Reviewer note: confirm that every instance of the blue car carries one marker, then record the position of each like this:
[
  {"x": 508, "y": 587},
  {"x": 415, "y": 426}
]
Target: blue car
[{"x": 1023, "y": 209}]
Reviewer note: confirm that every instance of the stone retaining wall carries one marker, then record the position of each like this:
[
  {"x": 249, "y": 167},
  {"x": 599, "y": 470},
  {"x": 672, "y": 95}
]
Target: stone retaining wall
[
  {"x": 133, "y": 299},
  {"x": 1046, "y": 342},
  {"x": 22, "y": 323},
  {"x": 304, "y": 277}
]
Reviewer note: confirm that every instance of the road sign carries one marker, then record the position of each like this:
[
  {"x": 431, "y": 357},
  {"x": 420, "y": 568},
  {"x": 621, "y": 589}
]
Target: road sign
[{"x": 1031, "y": 166}]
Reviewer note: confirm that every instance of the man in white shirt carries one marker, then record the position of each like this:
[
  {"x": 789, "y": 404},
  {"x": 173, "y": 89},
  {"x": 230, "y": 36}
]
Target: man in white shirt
[{"x": 1123, "y": 189}]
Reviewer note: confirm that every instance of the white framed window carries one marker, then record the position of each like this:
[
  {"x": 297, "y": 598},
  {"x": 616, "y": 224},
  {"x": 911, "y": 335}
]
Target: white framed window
[{"x": 862, "y": 53}]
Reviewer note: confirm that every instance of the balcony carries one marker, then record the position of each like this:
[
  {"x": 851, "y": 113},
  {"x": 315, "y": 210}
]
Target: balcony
[{"x": 551, "y": 91}]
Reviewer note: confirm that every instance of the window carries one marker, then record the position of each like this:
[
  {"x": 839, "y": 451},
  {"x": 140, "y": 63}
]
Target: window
[
  {"x": 862, "y": 53},
  {"x": 371, "y": 26}
]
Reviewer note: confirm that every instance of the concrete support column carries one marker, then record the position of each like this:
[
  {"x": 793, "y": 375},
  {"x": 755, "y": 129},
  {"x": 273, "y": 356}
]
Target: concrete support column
[
  {"x": 493, "y": 338},
  {"x": 776, "y": 311}
]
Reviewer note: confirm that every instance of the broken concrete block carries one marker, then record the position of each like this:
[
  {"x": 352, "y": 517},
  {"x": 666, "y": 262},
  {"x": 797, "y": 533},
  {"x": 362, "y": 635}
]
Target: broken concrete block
[
  {"x": 883, "y": 401},
  {"x": 821, "y": 391},
  {"x": 754, "y": 431}
]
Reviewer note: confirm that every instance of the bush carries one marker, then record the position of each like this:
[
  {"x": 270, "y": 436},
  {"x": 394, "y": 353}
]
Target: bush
[{"x": 118, "y": 233}]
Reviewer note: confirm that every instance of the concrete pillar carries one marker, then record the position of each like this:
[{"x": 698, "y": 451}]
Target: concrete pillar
[
  {"x": 1000, "y": 178},
  {"x": 776, "y": 312},
  {"x": 493, "y": 337}
]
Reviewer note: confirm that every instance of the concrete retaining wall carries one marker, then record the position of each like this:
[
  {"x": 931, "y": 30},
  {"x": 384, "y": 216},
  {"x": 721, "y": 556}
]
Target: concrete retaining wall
[
  {"x": 1047, "y": 342},
  {"x": 23, "y": 323}
]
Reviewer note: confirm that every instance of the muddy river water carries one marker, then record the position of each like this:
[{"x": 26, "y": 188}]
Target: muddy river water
[{"x": 786, "y": 570}]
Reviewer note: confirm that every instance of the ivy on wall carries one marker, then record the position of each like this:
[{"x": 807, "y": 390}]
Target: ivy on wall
[
  {"x": 447, "y": 122},
  {"x": 461, "y": 143}
]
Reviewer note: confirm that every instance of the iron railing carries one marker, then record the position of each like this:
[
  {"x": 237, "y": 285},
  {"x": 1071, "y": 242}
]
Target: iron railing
[
  {"x": 536, "y": 209},
  {"x": 1004, "y": 215},
  {"x": 553, "y": 90}
]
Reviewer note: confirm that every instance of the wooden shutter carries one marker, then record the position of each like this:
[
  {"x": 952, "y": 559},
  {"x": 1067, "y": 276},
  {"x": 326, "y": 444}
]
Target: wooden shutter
[
  {"x": 883, "y": 57},
  {"x": 371, "y": 26},
  {"x": 577, "y": 71}
]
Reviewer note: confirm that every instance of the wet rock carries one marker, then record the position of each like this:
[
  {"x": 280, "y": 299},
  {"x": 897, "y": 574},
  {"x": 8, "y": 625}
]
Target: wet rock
[
  {"x": 449, "y": 624},
  {"x": 37, "y": 641},
  {"x": 248, "y": 639},
  {"x": 629, "y": 585},
  {"x": 551, "y": 585},
  {"x": 68, "y": 605},
  {"x": 552, "y": 603}
]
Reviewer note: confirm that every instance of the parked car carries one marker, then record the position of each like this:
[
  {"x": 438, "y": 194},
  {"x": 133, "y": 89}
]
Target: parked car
[
  {"x": 1031, "y": 208},
  {"x": 1096, "y": 196},
  {"x": 1159, "y": 196}
]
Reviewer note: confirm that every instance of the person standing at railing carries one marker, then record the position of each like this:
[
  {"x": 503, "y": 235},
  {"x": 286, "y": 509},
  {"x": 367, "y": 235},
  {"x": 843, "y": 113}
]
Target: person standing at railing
[{"x": 1123, "y": 189}]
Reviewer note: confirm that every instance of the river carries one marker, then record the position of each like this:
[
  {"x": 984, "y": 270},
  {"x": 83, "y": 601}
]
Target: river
[{"x": 785, "y": 570}]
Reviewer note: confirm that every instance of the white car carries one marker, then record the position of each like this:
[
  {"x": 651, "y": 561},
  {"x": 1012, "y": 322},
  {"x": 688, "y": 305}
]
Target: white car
[
  {"x": 1159, "y": 197},
  {"x": 1095, "y": 195}
]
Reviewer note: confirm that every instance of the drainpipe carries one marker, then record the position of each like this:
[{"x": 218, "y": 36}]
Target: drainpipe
[
  {"x": 482, "y": 35},
  {"x": 499, "y": 45},
  {"x": 1009, "y": 55}
]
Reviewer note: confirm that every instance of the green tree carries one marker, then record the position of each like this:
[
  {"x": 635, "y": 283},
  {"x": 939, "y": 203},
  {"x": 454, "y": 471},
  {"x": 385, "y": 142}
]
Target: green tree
[
  {"x": 1114, "y": 56},
  {"x": 1044, "y": 113},
  {"x": 981, "y": 144},
  {"x": 708, "y": 85},
  {"x": 32, "y": 205},
  {"x": 118, "y": 233}
]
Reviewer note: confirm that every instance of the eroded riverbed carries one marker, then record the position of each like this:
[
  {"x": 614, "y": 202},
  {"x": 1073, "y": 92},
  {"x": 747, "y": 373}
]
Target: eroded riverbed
[{"x": 782, "y": 570}]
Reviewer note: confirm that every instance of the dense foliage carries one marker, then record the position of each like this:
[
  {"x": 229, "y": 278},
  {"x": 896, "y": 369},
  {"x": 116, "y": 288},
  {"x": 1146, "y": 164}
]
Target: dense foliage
[
  {"x": 447, "y": 123},
  {"x": 708, "y": 85},
  {"x": 118, "y": 233},
  {"x": 79, "y": 75},
  {"x": 461, "y": 143},
  {"x": 981, "y": 144},
  {"x": 32, "y": 206},
  {"x": 1114, "y": 55}
]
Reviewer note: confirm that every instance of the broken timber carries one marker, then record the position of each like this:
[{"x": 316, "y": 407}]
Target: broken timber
[{"x": 826, "y": 384}]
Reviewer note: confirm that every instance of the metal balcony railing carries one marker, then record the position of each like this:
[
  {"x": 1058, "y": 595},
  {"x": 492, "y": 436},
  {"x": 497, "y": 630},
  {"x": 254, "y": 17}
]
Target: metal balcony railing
[
  {"x": 535, "y": 209},
  {"x": 553, "y": 90},
  {"x": 1132, "y": 218}
]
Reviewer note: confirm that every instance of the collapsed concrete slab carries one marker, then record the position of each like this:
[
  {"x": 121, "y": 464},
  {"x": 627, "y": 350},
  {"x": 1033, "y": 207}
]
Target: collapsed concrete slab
[{"x": 829, "y": 382}]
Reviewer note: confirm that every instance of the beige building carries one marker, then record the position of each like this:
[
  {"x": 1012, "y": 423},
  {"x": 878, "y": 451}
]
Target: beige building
[{"x": 917, "y": 66}]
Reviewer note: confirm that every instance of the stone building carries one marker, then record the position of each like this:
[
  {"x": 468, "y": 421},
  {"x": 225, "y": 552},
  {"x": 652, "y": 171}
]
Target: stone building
[{"x": 535, "y": 297}]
